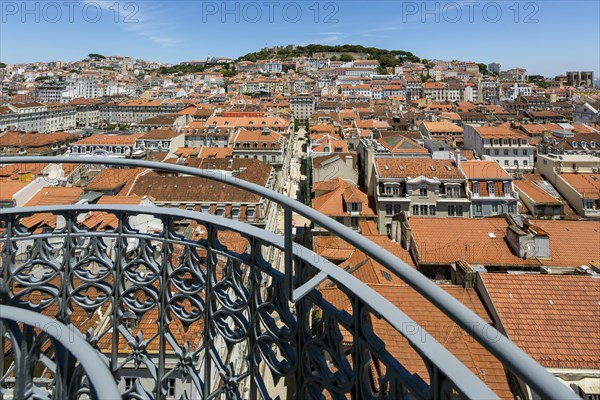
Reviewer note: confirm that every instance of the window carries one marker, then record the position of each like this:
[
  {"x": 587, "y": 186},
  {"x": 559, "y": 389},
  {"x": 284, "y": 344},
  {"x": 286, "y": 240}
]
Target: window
[
  {"x": 516, "y": 162},
  {"x": 524, "y": 152},
  {"x": 487, "y": 152},
  {"x": 505, "y": 152},
  {"x": 129, "y": 383},
  {"x": 389, "y": 209},
  {"x": 491, "y": 189},
  {"x": 354, "y": 207},
  {"x": 459, "y": 210},
  {"x": 432, "y": 210},
  {"x": 171, "y": 388},
  {"x": 478, "y": 208},
  {"x": 423, "y": 209},
  {"x": 506, "y": 163},
  {"x": 506, "y": 189},
  {"x": 415, "y": 209},
  {"x": 423, "y": 191},
  {"x": 494, "y": 208},
  {"x": 476, "y": 188},
  {"x": 524, "y": 163},
  {"x": 496, "y": 152},
  {"x": 451, "y": 211},
  {"x": 386, "y": 276},
  {"x": 515, "y": 152},
  {"x": 395, "y": 190},
  {"x": 589, "y": 205},
  {"x": 397, "y": 209}
]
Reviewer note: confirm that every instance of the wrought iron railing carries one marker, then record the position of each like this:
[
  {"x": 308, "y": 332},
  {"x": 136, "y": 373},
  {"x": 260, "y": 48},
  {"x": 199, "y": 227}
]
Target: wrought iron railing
[{"x": 201, "y": 313}]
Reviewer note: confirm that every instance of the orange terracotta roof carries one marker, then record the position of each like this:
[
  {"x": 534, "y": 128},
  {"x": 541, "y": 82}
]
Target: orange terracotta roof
[
  {"x": 367, "y": 227},
  {"x": 10, "y": 188},
  {"x": 159, "y": 134},
  {"x": 437, "y": 324},
  {"x": 442, "y": 126},
  {"x": 535, "y": 193},
  {"x": 107, "y": 139},
  {"x": 333, "y": 248},
  {"x": 442, "y": 241},
  {"x": 371, "y": 124},
  {"x": 113, "y": 179},
  {"x": 484, "y": 169},
  {"x": 336, "y": 201},
  {"x": 499, "y": 132},
  {"x": 562, "y": 236},
  {"x": 131, "y": 199},
  {"x": 23, "y": 139},
  {"x": 416, "y": 167},
  {"x": 554, "y": 318},
  {"x": 50, "y": 196},
  {"x": 588, "y": 185},
  {"x": 268, "y": 136}
]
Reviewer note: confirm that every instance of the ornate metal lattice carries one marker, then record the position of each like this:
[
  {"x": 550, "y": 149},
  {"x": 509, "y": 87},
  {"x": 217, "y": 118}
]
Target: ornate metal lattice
[{"x": 181, "y": 304}]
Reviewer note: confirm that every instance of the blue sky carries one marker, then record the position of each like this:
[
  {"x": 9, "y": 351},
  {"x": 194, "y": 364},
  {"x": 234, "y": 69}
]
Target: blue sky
[{"x": 546, "y": 37}]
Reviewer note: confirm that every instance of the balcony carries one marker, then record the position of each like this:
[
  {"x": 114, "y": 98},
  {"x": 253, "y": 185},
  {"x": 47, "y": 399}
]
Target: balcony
[{"x": 125, "y": 311}]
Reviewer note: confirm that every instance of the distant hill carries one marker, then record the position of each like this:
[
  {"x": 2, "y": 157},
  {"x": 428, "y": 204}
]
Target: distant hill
[{"x": 387, "y": 58}]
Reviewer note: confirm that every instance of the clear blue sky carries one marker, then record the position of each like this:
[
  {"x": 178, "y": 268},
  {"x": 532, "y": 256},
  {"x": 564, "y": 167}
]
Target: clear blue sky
[{"x": 546, "y": 37}]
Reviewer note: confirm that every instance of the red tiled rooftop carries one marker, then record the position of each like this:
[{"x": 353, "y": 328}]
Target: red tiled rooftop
[{"x": 554, "y": 318}]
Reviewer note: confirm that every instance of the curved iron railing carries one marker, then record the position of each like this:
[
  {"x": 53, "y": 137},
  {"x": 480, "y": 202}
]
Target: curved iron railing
[
  {"x": 220, "y": 293},
  {"x": 28, "y": 331}
]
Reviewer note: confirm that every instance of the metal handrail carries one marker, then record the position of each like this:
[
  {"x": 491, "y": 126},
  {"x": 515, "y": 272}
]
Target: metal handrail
[
  {"x": 466, "y": 381},
  {"x": 102, "y": 383},
  {"x": 515, "y": 359}
]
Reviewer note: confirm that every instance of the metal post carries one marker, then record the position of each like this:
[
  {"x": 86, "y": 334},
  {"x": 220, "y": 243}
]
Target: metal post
[{"x": 288, "y": 256}]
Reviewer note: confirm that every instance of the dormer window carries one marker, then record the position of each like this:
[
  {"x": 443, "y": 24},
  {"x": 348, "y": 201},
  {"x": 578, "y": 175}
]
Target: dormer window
[
  {"x": 491, "y": 189},
  {"x": 574, "y": 144}
]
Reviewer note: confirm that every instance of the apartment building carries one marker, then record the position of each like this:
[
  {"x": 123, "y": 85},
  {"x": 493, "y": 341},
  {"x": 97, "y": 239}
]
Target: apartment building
[
  {"x": 119, "y": 146},
  {"x": 441, "y": 91},
  {"x": 265, "y": 145},
  {"x": 577, "y": 179},
  {"x": 419, "y": 187},
  {"x": 138, "y": 110},
  {"x": 508, "y": 147},
  {"x": 442, "y": 130},
  {"x": 37, "y": 117},
  {"x": 303, "y": 106},
  {"x": 159, "y": 140},
  {"x": 490, "y": 188}
]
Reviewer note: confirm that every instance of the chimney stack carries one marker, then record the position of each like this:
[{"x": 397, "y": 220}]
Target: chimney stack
[{"x": 457, "y": 158}]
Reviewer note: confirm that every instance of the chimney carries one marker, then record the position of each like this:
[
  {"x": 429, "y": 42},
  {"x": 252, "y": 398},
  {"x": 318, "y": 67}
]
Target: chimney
[
  {"x": 349, "y": 161},
  {"x": 457, "y": 158}
]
